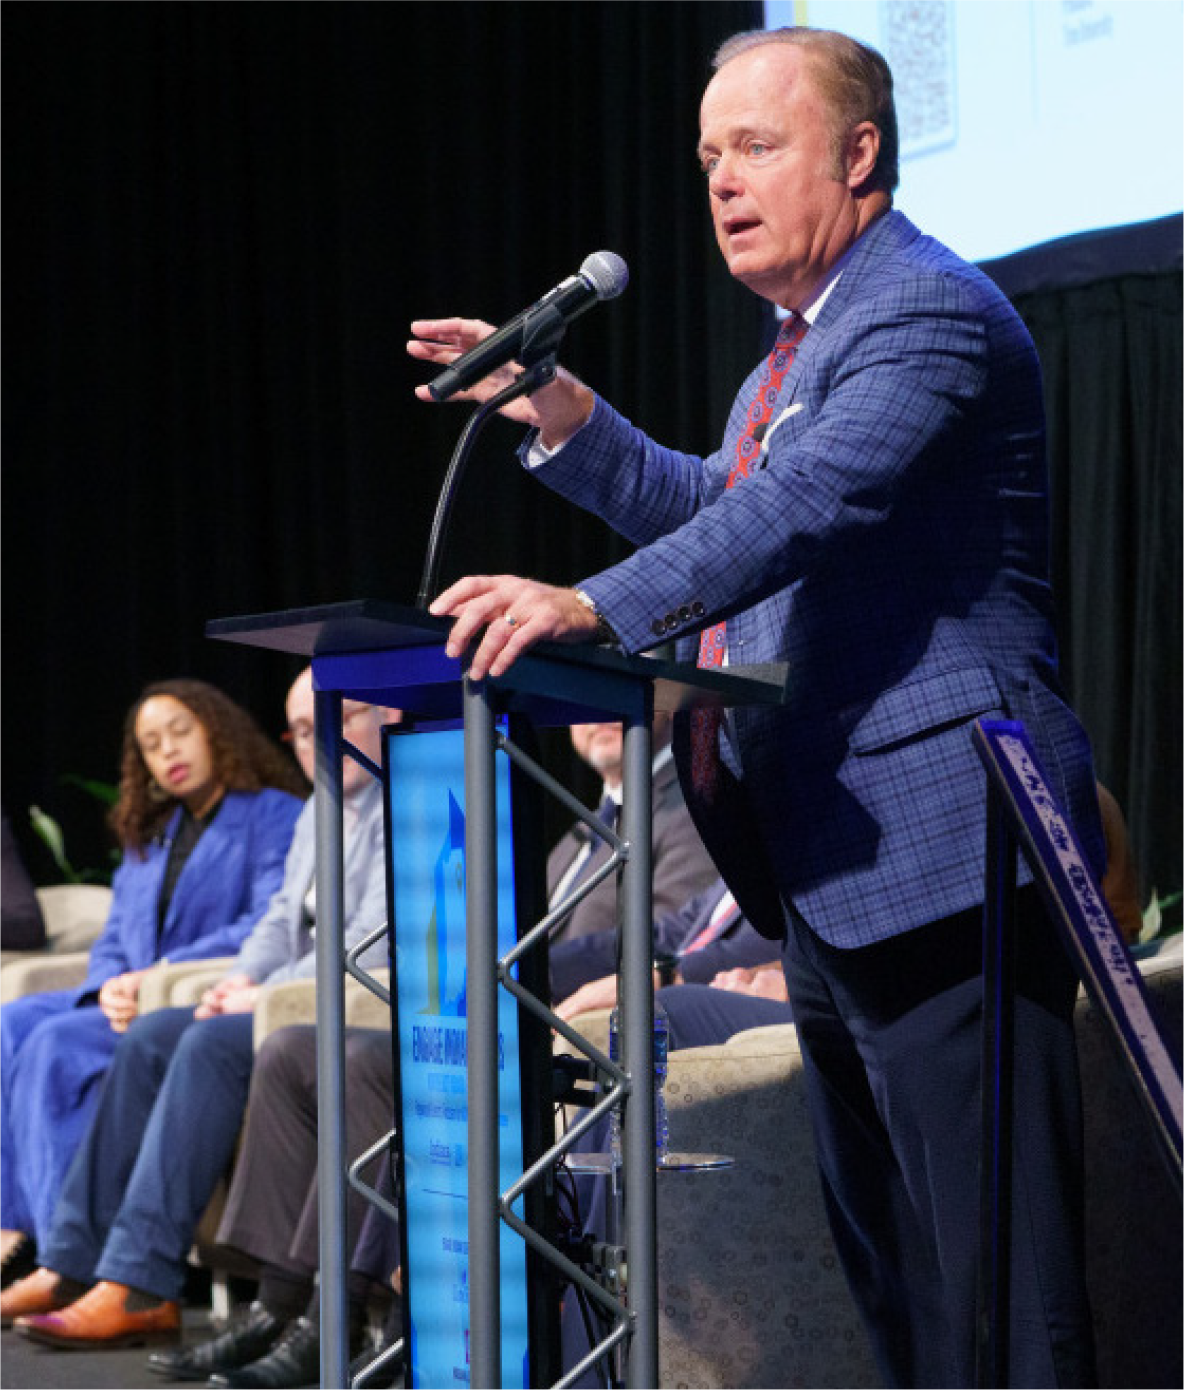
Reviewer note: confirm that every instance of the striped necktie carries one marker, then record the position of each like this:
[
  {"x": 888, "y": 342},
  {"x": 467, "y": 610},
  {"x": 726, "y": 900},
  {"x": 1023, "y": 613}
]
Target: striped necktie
[{"x": 725, "y": 913}]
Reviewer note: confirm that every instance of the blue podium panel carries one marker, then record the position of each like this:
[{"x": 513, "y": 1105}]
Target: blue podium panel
[{"x": 426, "y": 828}]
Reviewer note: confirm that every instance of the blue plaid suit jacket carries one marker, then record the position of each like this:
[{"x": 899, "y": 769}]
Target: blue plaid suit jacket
[{"x": 893, "y": 551}]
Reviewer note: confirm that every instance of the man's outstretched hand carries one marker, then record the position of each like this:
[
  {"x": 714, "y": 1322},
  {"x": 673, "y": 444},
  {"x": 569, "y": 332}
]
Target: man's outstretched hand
[{"x": 556, "y": 410}]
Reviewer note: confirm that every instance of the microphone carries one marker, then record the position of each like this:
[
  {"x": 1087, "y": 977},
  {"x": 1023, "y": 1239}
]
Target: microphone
[{"x": 602, "y": 276}]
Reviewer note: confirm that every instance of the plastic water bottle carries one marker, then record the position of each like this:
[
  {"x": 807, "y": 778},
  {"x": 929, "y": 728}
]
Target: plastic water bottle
[{"x": 661, "y": 1049}]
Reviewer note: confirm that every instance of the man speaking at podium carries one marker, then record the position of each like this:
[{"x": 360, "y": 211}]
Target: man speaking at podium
[{"x": 876, "y": 517}]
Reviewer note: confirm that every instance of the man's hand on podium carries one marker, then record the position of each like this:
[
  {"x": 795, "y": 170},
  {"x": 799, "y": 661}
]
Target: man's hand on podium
[
  {"x": 556, "y": 410},
  {"x": 515, "y": 613}
]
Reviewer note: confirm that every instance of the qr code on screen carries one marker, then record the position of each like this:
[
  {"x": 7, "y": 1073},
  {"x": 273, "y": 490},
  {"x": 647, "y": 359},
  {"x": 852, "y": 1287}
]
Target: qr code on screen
[{"x": 917, "y": 38}]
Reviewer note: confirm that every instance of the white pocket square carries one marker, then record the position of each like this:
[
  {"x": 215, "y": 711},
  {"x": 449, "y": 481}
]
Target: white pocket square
[{"x": 787, "y": 413}]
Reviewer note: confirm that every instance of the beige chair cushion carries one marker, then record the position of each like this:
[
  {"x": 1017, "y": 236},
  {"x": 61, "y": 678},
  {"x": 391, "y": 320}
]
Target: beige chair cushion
[
  {"x": 75, "y": 914},
  {"x": 750, "y": 1289},
  {"x": 295, "y": 1001}
]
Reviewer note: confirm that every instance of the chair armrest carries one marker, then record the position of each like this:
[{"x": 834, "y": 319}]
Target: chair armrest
[
  {"x": 767, "y": 1040},
  {"x": 76, "y": 939},
  {"x": 280, "y": 1006},
  {"x": 75, "y": 914},
  {"x": 168, "y": 984},
  {"x": 41, "y": 971},
  {"x": 8, "y": 957},
  {"x": 295, "y": 1001},
  {"x": 593, "y": 1025},
  {"x": 363, "y": 1008},
  {"x": 1172, "y": 945}
]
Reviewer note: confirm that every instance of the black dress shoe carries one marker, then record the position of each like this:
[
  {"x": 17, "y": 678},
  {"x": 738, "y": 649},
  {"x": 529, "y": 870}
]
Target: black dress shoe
[
  {"x": 245, "y": 1339},
  {"x": 20, "y": 1261},
  {"x": 294, "y": 1361}
]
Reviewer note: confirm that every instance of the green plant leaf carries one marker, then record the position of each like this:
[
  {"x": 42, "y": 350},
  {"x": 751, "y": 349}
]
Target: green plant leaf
[
  {"x": 106, "y": 792},
  {"x": 51, "y": 834}
]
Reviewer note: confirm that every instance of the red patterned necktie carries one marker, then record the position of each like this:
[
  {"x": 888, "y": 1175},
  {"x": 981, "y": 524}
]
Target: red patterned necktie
[{"x": 713, "y": 641}]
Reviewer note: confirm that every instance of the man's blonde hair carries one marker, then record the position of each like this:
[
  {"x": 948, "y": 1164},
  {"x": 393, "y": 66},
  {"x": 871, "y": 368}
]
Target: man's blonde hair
[{"x": 854, "y": 81}]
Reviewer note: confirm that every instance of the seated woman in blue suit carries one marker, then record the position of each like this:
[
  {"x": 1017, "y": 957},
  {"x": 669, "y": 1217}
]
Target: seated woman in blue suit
[{"x": 207, "y": 805}]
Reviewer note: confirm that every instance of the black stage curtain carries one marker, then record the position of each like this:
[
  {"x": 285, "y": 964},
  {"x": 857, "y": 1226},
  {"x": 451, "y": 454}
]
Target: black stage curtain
[
  {"x": 1111, "y": 354},
  {"x": 221, "y": 219}
]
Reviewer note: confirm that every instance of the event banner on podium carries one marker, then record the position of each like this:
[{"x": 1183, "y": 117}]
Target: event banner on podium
[{"x": 426, "y": 823}]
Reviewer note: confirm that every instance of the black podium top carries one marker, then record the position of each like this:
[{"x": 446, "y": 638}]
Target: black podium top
[{"x": 390, "y": 653}]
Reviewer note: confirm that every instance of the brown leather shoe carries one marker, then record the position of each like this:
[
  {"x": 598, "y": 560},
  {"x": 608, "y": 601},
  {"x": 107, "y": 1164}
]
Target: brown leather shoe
[
  {"x": 101, "y": 1319},
  {"x": 35, "y": 1293}
]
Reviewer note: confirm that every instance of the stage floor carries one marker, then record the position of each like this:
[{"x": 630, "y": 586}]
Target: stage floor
[{"x": 28, "y": 1366}]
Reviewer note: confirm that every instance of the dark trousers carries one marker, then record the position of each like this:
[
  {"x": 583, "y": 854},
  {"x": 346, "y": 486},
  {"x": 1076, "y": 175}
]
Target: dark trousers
[
  {"x": 378, "y": 1253},
  {"x": 271, "y": 1212},
  {"x": 891, "y": 1039},
  {"x": 701, "y": 1016},
  {"x": 164, "y": 1133}
]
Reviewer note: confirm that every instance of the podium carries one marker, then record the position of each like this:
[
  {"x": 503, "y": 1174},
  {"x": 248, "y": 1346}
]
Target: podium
[{"x": 388, "y": 654}]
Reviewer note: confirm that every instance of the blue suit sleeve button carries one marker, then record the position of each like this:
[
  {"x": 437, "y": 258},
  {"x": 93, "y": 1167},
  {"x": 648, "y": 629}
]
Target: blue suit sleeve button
[
  {"x": 684, "y": 614},
  {"x": 657, "y": 627},
  {"x": 697, "y": 609}
]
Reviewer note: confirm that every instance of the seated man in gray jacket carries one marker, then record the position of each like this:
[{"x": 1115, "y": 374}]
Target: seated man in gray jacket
[{"x": 176, "y": 1094}]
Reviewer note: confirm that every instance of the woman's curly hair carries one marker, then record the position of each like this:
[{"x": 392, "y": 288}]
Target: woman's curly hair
[{"x": 244, "y": 759}]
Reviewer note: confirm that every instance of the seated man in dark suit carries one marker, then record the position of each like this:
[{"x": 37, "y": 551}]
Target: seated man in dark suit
[
  {"x": 706, "y": 936},
  {"x": 752, "y": 996},
  {"x": 682, "y": 866}
]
